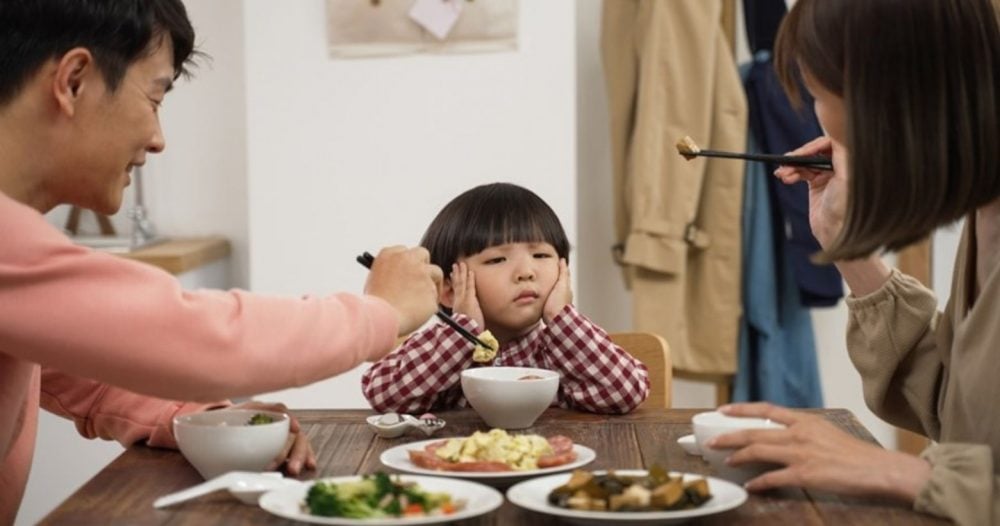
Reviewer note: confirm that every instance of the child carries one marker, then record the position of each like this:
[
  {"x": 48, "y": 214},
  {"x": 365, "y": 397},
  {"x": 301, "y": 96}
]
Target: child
[{"x": 504, "y": 253}]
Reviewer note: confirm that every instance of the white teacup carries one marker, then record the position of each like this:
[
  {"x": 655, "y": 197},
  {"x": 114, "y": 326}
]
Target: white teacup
[{"x": 711, "y": 424}]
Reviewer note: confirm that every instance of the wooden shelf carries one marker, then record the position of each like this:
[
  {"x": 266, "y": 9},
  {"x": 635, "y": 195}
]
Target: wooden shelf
[{"x": 180, "y": 255}]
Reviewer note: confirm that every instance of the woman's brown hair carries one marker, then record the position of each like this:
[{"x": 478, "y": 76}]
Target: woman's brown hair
[{"x": 920, "y": 81}]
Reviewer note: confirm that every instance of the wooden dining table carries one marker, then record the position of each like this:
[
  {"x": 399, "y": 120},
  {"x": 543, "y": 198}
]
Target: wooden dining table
[{"x": 124, "y": 491}]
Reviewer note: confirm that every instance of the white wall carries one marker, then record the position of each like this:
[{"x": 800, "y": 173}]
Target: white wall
[{"x": 353, "y": 154}]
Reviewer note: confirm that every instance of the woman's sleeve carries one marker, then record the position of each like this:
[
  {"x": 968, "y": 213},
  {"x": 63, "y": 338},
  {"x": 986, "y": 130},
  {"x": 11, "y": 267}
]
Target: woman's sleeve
[
  {"x": 891, "y": 341},
  {"x": 424, "y": 373},
  {"x": 132, "y": 325},
  {"x": 598, "y": 376},
  {"x": 962, "y": 486},
  {"x": 111, "y": 413}
]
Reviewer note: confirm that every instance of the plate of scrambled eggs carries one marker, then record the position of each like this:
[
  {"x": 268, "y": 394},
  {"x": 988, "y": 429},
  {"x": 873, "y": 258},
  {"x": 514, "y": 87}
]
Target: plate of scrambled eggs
[{"x": 495, "y": 457}]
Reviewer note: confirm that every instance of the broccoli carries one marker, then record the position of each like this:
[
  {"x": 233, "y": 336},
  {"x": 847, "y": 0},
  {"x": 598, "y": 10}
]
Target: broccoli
[
  {"x": 341, "y": 500},
  {"x": 259, "y": 419},
  {"x": 322, "y": 500}
]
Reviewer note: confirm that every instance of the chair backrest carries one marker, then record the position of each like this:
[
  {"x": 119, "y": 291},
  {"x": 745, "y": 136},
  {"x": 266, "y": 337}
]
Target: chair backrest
[{"x": 652, "y": 350}]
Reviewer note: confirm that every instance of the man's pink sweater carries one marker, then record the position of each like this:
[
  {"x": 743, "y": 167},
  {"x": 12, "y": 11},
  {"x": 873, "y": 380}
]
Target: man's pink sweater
[{"x": 82, "y": 332}]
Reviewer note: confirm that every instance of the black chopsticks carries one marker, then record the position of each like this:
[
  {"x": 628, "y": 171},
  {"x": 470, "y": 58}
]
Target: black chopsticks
[
  {"x": 809, "y": 161},
  {"x": 366, "y": 261},
  {"x": 690, "y": 149}
]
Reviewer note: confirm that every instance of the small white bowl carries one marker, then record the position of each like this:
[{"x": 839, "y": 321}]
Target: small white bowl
[
  {"x": 711, "y": 424},
  {"x": 216, "y": 442},
  {"x": 384, "y": 427},
  {"x": 510, "y": 397}
]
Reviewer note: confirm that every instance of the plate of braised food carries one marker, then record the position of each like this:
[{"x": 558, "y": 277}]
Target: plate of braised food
[{"x": 627, "y": 496}]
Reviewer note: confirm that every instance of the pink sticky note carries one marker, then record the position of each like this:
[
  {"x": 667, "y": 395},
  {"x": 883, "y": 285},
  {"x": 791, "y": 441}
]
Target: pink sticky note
[{"x": 436, "y": 16}]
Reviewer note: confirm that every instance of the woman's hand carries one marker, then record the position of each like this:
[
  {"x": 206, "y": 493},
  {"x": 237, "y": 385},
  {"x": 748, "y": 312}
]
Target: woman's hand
[
  {"x": 818, "y": 455},
  {"x": 297, "y": 453},
  {"x": 560, "y": 295},
  {"x": 463, "y": 284},
  {"x": 827, "y": 190}
]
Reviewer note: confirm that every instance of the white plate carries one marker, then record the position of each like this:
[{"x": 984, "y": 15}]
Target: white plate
[
  {"x": 399, "y": 458},
  {"x": 534, "y": 494},
  {"x": 479, "y": 500}
]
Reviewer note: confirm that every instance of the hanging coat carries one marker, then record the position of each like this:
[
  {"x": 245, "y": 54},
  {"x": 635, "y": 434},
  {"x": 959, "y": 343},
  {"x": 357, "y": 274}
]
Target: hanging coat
[
  {"x": 777, "y": 127},
  {"x": 670, "y": 73},
  {"x": 777, "y": 356}
]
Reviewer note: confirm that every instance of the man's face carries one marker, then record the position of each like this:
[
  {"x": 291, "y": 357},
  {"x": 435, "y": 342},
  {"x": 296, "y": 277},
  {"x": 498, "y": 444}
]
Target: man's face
[{"x": 117, "y": 129}]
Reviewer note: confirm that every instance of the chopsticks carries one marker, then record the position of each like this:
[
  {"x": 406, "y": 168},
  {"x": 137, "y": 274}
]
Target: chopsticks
[
  {"x": 690, "y": 150},
  {"x": 366, "y": 261}
]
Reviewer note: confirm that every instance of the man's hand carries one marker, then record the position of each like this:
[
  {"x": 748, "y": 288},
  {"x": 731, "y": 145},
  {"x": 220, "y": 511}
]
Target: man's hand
[
  {"x": 405, "y": 278},
  {"x": 297, "y": 453}
]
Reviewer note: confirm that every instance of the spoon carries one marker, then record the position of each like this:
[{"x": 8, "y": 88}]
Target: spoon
[
  {"x": 392, "y": 425},
  {"x": 428, "y": 424},
  {"x": 247, "y": 486}
]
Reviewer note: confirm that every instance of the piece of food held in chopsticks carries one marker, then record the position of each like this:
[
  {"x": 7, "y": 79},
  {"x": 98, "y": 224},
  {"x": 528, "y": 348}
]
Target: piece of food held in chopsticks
[
  {"x": 495, "y": 450},
  {"x": 656, "y": 491},
  {"x": 690, "y": 149},
  {"x": 483, "y": 354}
]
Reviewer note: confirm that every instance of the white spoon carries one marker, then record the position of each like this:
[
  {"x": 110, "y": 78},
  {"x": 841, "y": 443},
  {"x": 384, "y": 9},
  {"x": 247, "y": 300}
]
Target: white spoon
[{"x": 246, "y": 486}]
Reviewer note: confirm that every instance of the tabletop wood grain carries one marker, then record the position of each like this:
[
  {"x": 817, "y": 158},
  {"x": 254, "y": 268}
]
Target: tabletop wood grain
[{"x": 123, "y": 492}]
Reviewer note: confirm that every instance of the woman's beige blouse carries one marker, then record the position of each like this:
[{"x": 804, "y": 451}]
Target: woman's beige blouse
[{"x": 938, "y": 373}]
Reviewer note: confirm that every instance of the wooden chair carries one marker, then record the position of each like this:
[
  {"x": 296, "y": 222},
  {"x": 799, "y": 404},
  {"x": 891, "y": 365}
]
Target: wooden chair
[{"x": 653, "y": 351}]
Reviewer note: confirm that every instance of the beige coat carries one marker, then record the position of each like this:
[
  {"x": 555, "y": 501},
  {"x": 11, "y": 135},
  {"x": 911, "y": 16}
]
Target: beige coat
[{"x": 670, "y": 73}]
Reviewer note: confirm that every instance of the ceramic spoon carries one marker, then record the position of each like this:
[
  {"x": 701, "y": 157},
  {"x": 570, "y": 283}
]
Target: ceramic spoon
[{"x": 244, "y": 482}]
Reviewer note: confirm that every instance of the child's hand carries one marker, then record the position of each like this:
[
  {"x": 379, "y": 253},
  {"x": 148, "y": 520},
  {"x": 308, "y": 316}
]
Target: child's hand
[
  {"x": 561, "y": 295},
  {"x": 463, "y": 284}
]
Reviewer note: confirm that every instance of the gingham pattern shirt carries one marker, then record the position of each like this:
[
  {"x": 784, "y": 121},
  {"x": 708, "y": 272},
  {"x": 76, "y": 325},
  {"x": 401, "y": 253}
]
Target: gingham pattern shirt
[{"x": 424, "y": 374}]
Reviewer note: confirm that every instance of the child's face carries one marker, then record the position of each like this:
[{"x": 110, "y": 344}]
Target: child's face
[{"x": 512, "y": 283}]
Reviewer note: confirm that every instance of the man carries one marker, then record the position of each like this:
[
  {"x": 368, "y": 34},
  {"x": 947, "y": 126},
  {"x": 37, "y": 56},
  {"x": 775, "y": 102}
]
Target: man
[{"x": 99, "y": 338}]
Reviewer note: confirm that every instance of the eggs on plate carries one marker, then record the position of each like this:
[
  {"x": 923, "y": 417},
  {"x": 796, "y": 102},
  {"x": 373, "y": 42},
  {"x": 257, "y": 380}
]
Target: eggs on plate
[{"x": 520, "y": 452}]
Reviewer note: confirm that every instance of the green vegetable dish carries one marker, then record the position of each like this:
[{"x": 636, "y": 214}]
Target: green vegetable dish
[
  {"x": 376, "y": 496},
  {"x": 656, "y": 491},
  {"x": 260, "y": 419}
]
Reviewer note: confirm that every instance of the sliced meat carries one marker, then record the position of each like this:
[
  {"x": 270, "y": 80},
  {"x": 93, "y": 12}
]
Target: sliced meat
[
  {"x": 428, "y": 460},
  {"x": 560, "y": 444},
  {"x": 550, "y": 461},
  {"x": 562, "y": 453}
]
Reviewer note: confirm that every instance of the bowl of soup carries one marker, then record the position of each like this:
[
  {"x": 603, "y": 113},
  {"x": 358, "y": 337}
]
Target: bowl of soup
[
  {"x": 216, "y": 442},
  {"x": 510, "y": 397},
  {"x": 711, "y": 424}
]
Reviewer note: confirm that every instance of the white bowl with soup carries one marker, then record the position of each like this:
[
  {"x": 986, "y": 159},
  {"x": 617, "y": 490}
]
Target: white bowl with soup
[
  {"x": 711, "y": 424},
  {"x": 224, "y": 440},
  {"x": 510, "y": 397}
]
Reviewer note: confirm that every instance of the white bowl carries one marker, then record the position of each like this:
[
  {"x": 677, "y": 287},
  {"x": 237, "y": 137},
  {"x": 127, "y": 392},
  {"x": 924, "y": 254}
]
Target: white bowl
[
  {"x": 216, "y": 442},
  {"x": 711, "y": 424},
  {"x": 504, "y": 400}
]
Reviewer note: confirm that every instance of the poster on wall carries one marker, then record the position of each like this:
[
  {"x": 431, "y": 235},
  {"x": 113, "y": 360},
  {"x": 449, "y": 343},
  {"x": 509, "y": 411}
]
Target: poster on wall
[{"x": 370, "y": 28}]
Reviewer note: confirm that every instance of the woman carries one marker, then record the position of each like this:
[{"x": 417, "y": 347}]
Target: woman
[{"x": 907, "y": 92}]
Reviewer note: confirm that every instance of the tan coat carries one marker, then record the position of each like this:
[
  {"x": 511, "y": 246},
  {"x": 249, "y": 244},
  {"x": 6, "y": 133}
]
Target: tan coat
[{"x": 670, "y": 73}]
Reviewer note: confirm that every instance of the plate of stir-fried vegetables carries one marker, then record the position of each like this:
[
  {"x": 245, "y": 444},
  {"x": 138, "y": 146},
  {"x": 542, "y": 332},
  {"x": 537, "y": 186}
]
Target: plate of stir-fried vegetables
[{"x": 382, "y": 499}]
